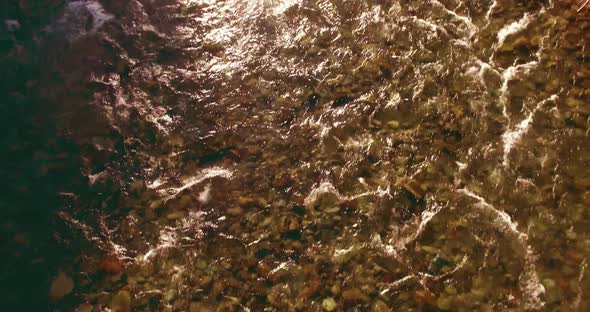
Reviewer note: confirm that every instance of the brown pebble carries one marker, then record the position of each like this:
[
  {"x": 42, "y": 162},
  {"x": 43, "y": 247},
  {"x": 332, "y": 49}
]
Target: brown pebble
[
  {"x": 61, "y": 286},
  {"x": 85, "y": 307},
  {"x": 582, "y": 182},
  {"x": 421, "y": 297},
  {"x": 111, "y": 264},
  {"x": 121, "y": 302},
  {"x": 354, "y": 295},
  {"x": 413, "y": 187},
  {"x": 380, "y": 306}
]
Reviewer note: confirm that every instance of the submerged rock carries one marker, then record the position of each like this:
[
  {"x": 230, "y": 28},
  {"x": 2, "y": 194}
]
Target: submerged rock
[
  {"x": 380, "y": 306},
  {"x": 111, "y": 264},
  {"x": 121, "y": 302},
  {"x": 413, "y": 187},
  {"x": 444, "y": 303},
  {"x": 394, "y": 124},
  {"x": 85, "y": 307},
  {"x": 61, "y": 286},
  {"x": 354, "y": 295},
  {"x": 329, "y": 304},
  {"x": 198, "y": 307}
]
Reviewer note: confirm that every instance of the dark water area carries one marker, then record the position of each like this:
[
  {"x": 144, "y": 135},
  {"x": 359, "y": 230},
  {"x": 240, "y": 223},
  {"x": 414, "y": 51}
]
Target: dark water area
[{"x": 295, "y": 155}]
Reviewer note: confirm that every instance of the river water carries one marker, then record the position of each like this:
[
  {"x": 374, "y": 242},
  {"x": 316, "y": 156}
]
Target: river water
[{"x": 322, "y": 155}]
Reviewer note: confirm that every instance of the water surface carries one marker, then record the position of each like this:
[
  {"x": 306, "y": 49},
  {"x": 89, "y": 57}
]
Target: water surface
[{"x": 284, "y": 155}]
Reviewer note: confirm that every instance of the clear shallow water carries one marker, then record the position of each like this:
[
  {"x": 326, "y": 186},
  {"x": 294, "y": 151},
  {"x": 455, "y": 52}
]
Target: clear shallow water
[{"x": 329, "y": 155}]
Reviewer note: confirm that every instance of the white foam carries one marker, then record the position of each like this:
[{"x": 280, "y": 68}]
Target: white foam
[
  {"x": 510, "y": 74},
  {"x": 73, "y": 22},
  {"x": 471, "y": 28},
  {"x": 430, "y": 25},
  {"x": 99, "y": 15},
  {"x": 583, "y": 6},
  {"x": 323, "y": 188},
  {"x": 478, "y": 70},
  {"x": 426, "y": 216},
  {"x": 200, "y": 177},
  {"x": 513, "y": 28},
  {"x": 513, "y": 136},
  {"x": 156, "y": 183},
  {"x": 502, "y": 220},
  {"x": 205, "y": 195},
  {"x": 170, "y": 237},
  {"x": 490, "y": 11},
  {"x": 579, "y": 288},
  {"x": 529, "y": 280}
]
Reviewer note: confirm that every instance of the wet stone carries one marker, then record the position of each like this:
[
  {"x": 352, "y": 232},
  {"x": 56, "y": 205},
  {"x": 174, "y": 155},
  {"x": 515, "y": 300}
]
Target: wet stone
[
  {"x": 61, "y": 286},
  {"x": 329, "y": 304},
  {"x": 444, "y": 303},
  {"x": 171, "y": 295},
  {"x": 121, "y": 302},
  {"x": 198, "y": 307},
  {"x": 85, "y": 307},
  {"x": 380, "y": 306},
  {"x": 354, "y": 295}
]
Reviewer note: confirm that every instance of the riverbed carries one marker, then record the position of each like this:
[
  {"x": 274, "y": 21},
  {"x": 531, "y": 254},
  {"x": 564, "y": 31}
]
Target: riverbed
[{"x": 316, "y": 155}]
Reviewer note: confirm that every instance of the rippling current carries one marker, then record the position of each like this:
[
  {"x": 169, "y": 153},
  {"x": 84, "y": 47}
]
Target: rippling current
[{"x": 334, "y": 155}]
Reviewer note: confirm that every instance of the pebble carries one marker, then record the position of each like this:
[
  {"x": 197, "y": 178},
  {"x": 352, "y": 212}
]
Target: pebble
[
  {"x": 414, "y": 187},
  {"x": 478, "y": 292},
  {"x": 444, "y": 303},
  {"x": 404, "y": 296},
  {"x": 333, "y": 209},
  {"x": 136, "y": 186},
  {"x": 552, "y": 85},
  {"x": 394, "y": 124},
  {"x": 352, "y": 295},
  {"x": 61, "y": 286},
  {"x": 175, "y": 215},
  {"x": 335, "y": 289},
  {"x": 121, "y": 302},
  {"x": 329, "y": 304},
  {"x": 170, "y": 295},
  {"x": 234, "y": 211},
  {"x": 111, "y": 264},
  {"x": 548, "y": 283},
  {"x": 570, "y": 234},
  {"x": 573, "y": 102},
  {"x": 380, "y": 306},
  {"x": 201, "y": 264},
  {"x": 155, "y": 204},
  {"x": 198, "y": 307},
  {"x": 85, "y": 307},
  {"x": 422, "y": 296},
  {"x": 344, "y": 255},
  {"x": 582, "y": 182},
  {"x": 243, "y": 201},
  {"x": 451, "y": 290},
  {"x": 429, "y": 249}
]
